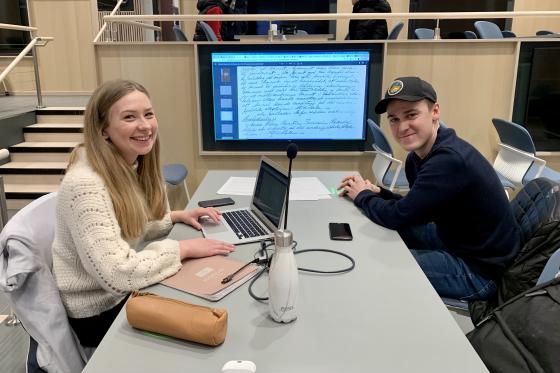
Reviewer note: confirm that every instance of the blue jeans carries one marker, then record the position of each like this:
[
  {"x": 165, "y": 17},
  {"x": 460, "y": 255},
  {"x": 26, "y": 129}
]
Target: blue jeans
[{"x": 448, "y": 274}]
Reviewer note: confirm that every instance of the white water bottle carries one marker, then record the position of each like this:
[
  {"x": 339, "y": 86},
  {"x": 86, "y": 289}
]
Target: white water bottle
[{"x": 283, "y": 279}]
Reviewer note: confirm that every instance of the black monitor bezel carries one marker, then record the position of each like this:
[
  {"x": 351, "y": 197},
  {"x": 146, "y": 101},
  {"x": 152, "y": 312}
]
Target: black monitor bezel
[{"x": 206, "y": 103}]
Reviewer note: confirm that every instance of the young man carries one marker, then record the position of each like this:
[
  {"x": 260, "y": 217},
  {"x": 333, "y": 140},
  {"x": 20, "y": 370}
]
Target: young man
[{"x": 456, "y": 219}]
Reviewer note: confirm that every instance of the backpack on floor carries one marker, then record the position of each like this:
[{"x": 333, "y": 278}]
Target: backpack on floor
[{"x": 522, "y": 334}]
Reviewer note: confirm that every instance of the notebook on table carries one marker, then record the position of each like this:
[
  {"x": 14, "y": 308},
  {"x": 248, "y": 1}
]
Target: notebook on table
[
  {"x": 262, "y": 217},
  {"x": 202, "y": 277}
]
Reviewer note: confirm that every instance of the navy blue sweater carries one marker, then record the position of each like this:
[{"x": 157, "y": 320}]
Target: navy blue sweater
[{"x": 455, "y": 187}]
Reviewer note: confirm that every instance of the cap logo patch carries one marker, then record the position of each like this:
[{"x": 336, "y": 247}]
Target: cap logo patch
[{"x": 395, "y": 88}]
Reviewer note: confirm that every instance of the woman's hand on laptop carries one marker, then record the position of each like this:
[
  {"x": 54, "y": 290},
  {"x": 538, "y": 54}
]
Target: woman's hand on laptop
[
  {"x": 191, "y": 217},
  {"x": 202, "y": 247}
]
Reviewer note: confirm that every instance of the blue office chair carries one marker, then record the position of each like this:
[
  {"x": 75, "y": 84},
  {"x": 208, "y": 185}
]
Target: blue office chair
[
  {"x": 470, "y": 35},
  {"x": 175, "y": 174},
  {"x": 516, "y": 162},
  {"x": 488, "y": 30},
  {"x": 551, "y": 269},
  {"x": 424, "y": 33},
  {"x": 395, "y": 31},
  {"x": 207, "y": 30},
  {"x": 508, "y": 34},
  {"x": 544, "y": 32},
  {"x": 536, "y": 209},
  {"x": 179, "y": 34},
  {"x": 385, "y": 175}
]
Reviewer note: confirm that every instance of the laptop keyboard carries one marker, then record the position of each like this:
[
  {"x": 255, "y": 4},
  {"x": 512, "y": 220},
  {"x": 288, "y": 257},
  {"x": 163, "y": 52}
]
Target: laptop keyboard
[{"x": 243, "y": 224}]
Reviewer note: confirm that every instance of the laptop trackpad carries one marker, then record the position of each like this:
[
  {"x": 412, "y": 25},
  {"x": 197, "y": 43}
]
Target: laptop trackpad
[{"x": 211, "y": 227}]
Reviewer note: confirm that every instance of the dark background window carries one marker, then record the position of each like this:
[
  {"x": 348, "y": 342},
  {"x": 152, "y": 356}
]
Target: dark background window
[
  {"x": 454, "y": 28},
  {"x": 537, "y": 94},
  {"x": 291, "y": 7},
  {"x": 109, "y": 5},
  {"x": 13, "y": 12}
]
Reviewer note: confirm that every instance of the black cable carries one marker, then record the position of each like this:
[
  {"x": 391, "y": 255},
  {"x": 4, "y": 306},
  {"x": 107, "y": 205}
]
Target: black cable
[
  {"x": 345, "y": 270},
  {"x": 264, "y": 251}
]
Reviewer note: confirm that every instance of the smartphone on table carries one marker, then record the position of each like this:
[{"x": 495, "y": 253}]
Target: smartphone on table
[
  {"x": 216, "y": 202},
  {"x": 340, "y": 231}
]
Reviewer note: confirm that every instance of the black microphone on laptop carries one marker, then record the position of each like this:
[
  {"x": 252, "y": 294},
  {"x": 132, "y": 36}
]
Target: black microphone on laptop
[{"x": 291, "y": 152}]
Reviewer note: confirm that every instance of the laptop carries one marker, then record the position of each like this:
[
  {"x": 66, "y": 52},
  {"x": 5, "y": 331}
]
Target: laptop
[{"x": 262, "y": 218}]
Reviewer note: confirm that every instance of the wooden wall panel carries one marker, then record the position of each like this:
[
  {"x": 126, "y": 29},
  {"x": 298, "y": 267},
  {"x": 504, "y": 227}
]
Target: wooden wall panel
[
  {"x": 188, "y": 7},
  {"x": 68, "y": 62},
  {"x": 22, "y": 78},
  {"x": 167, "y": 71},
  {"x": 529, "y": 26},
  {"x": 474, "y": 82}
]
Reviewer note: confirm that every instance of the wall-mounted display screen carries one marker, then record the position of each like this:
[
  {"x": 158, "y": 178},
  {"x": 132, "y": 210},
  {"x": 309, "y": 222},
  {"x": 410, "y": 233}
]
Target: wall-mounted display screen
[{"x": 262, "y": 97}]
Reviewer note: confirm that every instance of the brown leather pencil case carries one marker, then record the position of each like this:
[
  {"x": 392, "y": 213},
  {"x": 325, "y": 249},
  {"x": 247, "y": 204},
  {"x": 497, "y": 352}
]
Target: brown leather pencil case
[{"x": 172, "y": 317}]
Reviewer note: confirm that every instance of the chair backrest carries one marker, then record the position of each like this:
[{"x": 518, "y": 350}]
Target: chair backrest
[
  {"x": 395, "y": 31},
  {"x": 27, "y": 280},
  {"x": 537, "y": 211},
  {"x": 544, "y": 32},
  {"x": 551, "y": 269},
  {"x": 179, "y": 34},
  {"x": 488, "y": 30},
  {"x": 3, "y": 205},
  {"x": 424, "y": 33},
  {"x": 301, "y": 32},
  {"x": 379, "y": 140},
  {"x": 210, "y": 35},
  {"x": 383, "y": 160},
  {"x": 517, "y": 152},
  {"x": 508, "y": 34},
  {"x": 470, "y": 35},
  {"x": 514, "y": 135}
]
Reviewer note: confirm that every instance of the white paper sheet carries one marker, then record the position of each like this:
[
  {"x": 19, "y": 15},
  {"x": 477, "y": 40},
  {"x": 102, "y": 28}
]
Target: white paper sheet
[
  {"x": 308, "y": 189},
  {"x": 302, "y": 188},
  {"x": 238, "y": 186}
]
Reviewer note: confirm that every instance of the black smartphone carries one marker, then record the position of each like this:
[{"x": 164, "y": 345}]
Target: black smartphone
[
  {"x": 340, "y": 231},
  {"x": 216, "y": 202}
]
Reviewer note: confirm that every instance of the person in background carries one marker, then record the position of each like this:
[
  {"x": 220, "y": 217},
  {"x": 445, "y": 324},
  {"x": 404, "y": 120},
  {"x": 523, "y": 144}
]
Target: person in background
[
  {"x": 224, "y": 30},
  {"x": 113, "y": 215},
  {"x": 456, "y": 219},
  {"x": 368, "y": 29}
]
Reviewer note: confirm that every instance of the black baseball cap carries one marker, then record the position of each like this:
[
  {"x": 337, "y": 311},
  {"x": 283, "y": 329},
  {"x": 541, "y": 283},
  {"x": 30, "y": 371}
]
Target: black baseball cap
[{"x": 407, "y": 88}]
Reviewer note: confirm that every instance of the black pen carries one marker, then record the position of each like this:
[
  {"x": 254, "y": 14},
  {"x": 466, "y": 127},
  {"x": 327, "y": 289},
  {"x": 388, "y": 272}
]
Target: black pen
[{"x": 228, "y": 278}]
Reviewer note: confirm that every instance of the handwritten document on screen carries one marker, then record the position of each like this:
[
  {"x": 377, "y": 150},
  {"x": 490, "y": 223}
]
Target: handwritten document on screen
[{"x": 296, "y": 102}]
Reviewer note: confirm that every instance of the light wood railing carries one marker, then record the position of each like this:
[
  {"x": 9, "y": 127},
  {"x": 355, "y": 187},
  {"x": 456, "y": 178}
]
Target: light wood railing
[{"x": 38, "y": 41}]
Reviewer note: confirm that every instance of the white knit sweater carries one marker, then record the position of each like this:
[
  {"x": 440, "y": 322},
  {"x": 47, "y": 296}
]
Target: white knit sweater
[{"x": 93, "y": 265}]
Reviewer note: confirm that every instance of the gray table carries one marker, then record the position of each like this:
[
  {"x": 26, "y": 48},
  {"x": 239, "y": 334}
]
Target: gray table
[{"x": 382, "y": 317}]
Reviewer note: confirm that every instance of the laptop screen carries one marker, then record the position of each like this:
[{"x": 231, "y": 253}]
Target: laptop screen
[{"x": 270, "y": 193}]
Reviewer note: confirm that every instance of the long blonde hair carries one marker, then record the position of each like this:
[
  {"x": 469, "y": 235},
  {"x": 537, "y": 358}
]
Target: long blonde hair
[{"x": 138, "y": 194}]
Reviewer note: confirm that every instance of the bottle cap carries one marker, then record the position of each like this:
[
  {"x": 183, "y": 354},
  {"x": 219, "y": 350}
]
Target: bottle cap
[{"x": 283, "y": 238}]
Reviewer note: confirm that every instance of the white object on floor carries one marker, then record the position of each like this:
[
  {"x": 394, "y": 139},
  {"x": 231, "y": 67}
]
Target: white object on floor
[{"x": 239, "y": 366}]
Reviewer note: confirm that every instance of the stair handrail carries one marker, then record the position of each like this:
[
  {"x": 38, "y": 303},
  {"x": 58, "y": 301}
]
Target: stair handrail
[
  {"x": 324, "y": 16},
  {"x": 8, "y": 26},
  {"x": 331, "y": 16},
  {"x": 130, "y": 22},
  {"x": 37, "y": 41}
]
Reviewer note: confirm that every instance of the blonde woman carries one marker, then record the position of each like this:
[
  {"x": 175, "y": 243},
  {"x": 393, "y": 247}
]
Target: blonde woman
[{"x": 111, "y": 208}]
